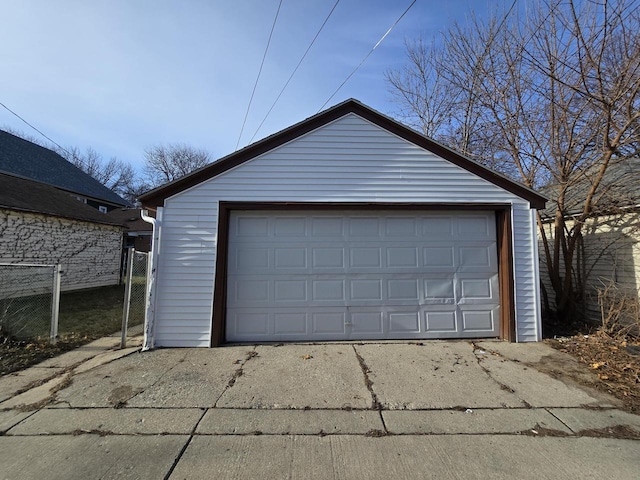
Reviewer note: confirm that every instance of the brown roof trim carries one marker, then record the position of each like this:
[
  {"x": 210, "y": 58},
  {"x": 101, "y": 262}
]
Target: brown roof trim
[{"x": 156, "y": 197}]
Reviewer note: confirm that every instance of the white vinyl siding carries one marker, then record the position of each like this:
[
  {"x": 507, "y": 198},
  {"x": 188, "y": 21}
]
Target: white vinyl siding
[{"x": 348, "y": 160}]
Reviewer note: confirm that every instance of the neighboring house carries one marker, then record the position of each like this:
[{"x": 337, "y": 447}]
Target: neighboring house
[
  {"x": 346, "y": 226},
  {"x": 21, "y": 158},
  {"x": 608, "y": 256},
  {"x": 137, "y": 232},
  {"x": 40, "y": 224}
]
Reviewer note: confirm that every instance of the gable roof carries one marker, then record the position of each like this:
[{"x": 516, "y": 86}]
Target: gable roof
[
  {"x": 34, "y": 197},
  {"x": 19, "y": 157},
  {"x": 619, "y": 190},
  {"x": 156, "y": 197}
]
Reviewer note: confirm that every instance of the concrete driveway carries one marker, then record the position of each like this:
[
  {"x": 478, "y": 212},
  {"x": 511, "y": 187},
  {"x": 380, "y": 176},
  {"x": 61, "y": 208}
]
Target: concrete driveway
[{"x": 431, "y": 409}]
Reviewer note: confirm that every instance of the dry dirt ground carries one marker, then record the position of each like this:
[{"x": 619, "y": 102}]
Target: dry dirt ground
[{"x": 610, "y": 363}]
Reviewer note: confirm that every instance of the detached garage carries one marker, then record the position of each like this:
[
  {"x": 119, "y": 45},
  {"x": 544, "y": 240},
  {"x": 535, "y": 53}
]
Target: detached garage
[{"x": 346, "y": 226}]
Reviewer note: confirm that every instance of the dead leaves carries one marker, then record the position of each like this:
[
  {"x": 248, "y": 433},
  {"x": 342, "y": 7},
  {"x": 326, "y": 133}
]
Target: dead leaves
[{"x": 609, "y": 358}]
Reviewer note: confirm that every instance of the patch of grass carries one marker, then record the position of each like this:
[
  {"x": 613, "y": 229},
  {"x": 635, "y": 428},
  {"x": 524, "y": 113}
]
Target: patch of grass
[{"x": 85, "y": 315}]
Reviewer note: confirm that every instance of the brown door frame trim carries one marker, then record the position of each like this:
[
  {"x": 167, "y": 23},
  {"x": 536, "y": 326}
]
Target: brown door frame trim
[{"x": 503, "y": 237}]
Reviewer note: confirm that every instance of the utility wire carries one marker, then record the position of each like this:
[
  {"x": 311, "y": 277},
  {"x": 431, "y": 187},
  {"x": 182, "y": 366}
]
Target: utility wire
[
  {"x": 48, "y": 138},
  {"x": 368, "y": 54},
  {"x": 295, "y": 70},
  {"x": 259, "y": 73}
]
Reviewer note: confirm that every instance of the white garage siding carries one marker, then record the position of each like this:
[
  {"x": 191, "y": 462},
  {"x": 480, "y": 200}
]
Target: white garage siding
[{"x": 347, "y": 160}]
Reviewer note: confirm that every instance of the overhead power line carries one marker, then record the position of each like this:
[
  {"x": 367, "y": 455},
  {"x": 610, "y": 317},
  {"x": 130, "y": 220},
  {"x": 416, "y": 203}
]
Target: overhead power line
[
  {"x": 295, "y": 70},
  {"x": 368, "y": 54},
  {"x": 259, "y": 73},
  {"x": 70, "y": 154},
  {"x": 30, "y": 125}
]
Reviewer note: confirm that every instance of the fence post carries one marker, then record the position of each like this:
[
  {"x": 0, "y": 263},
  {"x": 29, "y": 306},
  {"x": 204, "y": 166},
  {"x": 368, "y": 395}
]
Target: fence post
[
  {"x": 127, "y": 297},
  {"x": 55, "y": 304}
]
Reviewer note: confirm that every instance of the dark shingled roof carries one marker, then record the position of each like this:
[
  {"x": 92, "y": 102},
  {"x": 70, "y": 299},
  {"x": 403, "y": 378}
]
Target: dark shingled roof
[
  {"x": 25, "y": 159},
  {"x": 35, "y": 197},
  {"x": 618, "y": 191},
  {"x": 131, "y": 218}
]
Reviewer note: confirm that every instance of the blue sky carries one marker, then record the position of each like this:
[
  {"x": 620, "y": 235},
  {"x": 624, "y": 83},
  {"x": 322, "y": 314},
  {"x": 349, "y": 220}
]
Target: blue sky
[{"x": 120, "y": 75}]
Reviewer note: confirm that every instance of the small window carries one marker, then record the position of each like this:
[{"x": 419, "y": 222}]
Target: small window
[{"x": 102, "y": 208}]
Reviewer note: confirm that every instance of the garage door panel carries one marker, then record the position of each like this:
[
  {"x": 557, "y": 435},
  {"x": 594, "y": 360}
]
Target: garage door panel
[
  {"x": 248, "y": 291},
  {"x": 286, "y": 291},
  {"x": 366, "y": 323},
  {"x": 403, "y": 289},
  {"x": 439, "y": 257},
  {"x": 476, "y": 320},
  {"x": 444, "y": 322},
  {"x": 437, "y": 227},
  {"x": 250, "y": 258},
  {"x": 293, "y": 258},
  {"x": 402, "y": 258},
  {"x": 476, "y": 227},
  {"x": 475, "y": 289},
  {"x": 248, "y": 324},
  {"x": 329, "y": 290},
  {"x": 290, "y": 323},
  {"x": 366, "y": 289},
  {"x": 290, "y": 227},
  {"x": 404, "y": 322},
  {"x": 330, "y": 227},
  {"x": 339, "y": 276},
  {"x": 401, "y": 227},
  {"x": 364, "y": 227},
  {"x": 249, "y": 226},
  {"x": 327, "y": 258},
  {"x": 477, "y": 257},
  {"x": 439, "y": 289},
  {"x": 365, "y": 257},
  {"x": 329, "y": 323}
]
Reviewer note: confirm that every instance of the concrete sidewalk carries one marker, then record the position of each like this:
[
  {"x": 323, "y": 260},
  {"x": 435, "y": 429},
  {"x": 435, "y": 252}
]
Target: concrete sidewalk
[{"x": 365, "y": 410}]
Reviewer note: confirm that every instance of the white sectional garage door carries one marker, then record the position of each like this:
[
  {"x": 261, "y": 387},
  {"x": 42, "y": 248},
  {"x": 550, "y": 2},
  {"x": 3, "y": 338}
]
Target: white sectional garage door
[{"x": 305, "y": 276}]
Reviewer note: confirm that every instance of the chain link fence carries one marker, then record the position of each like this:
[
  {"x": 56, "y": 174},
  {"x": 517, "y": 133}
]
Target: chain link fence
[
  {"x": 29, "y": 297},
  {"x": 33, "y": 309},
  {"x": 135, "y": 294}
]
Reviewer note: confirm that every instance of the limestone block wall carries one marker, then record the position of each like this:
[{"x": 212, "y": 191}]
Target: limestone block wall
[{"x": 89, "y": 252}]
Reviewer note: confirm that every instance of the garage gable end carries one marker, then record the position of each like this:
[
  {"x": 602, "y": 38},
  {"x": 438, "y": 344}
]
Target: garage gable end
[
  {"x": 349, "y": 168},
  {"x": 337, "y": 133}
]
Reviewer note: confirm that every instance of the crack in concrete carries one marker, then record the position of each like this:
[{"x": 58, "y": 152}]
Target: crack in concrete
[
  {"x": 185, "y": 446},
  {"x": 503, "y": 386},
  {"x": 375, "y": 403},
  {"x": 237, "y": 374},
  {"x": 559, "y": 419}
]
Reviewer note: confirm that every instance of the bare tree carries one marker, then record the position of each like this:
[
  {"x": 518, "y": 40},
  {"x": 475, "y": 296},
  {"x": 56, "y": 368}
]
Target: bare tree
[
  {"x": 117, "y": 175},
  {"x": 165, "y": 163},
  {"x": 423, "y": 95},
  {"x": 552, "y": 99}
]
